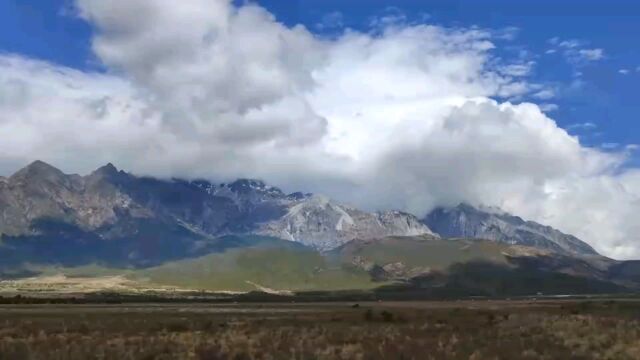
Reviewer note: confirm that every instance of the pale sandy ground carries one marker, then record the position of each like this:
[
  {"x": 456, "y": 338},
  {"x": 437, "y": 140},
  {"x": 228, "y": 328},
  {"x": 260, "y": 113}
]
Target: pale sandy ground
[{"x": 62, "y": 284}]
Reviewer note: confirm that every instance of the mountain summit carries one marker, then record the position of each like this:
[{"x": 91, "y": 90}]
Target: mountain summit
[
  {"x": 153, "y": 219},
  {"x": 196, "y": 232},
  {"x": 466, "y": 221}
]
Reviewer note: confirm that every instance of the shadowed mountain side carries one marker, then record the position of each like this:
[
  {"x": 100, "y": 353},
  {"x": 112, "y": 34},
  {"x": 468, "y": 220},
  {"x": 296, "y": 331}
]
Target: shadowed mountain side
[
  {"x": 625, "y": 271},
  {"x": 479, "y": 278},
  {"x": 195, "y": 234},
  {"x": 60, "y": 244},
  {"x": 422, "y": 266},
  {"x": 107, "y": 204},
  {"x": 401, "y": 258}
]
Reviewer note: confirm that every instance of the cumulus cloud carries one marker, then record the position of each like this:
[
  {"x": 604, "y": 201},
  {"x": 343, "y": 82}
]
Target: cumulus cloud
[{"x": 401, "y": 117}]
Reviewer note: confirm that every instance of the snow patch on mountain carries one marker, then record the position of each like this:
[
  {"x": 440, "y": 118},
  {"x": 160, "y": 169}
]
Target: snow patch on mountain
[{"x": 318, "y": 222}]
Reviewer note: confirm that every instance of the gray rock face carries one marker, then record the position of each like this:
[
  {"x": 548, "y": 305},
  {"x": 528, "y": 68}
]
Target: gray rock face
[
  {"x": 140, "y": 217},
  {"x": 40, "y": 191},
  {"x": 465, "y": 221},
  {"x": 317, "y": 222},
  {"x": 112, "y": 204}
]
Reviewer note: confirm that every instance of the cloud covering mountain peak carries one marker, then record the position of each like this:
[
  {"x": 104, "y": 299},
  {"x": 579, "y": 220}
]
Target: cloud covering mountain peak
[{"x": 408, "y": 116}]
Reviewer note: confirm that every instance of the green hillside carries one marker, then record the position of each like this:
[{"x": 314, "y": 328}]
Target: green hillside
[
  {"x": 423, "y": 251},
  {"x": 274, "y": 264},
  {"x": 424, "y": 264}
]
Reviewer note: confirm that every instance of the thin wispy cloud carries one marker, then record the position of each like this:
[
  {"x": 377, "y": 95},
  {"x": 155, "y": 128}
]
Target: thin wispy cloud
[
  {"x": 331, "y": 21},
  {"x": 547, "y": 107},
  {"x": 545, "y": 94},
  {"x": 575, "y": 51},
  {"x": 582, "y": 126},
  {"x": 591, "y": 54},
  {"x": 610, "y": 145}
]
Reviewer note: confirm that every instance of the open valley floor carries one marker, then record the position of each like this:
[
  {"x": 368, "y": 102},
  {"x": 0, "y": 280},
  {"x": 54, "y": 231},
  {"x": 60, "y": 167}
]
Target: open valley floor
[{"x": 466, "y": 329}]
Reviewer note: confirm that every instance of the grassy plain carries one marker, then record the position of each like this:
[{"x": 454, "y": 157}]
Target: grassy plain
[{"x": 481, "y": 329}]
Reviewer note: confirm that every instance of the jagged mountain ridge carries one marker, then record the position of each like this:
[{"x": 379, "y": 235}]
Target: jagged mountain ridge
[
  {"x": 466, "y": 221},
  {"x": 113, "y": 218},
  {"x": 116, "y": 206},
  {"x": 40, "y": 201},
  {"x": 319, "y": 223}
]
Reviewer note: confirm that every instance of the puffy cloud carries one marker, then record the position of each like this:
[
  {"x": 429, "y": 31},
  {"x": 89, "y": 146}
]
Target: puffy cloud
[
  {"x": 600, "y": 209},
  {"x": 401, "y": 117},
  {"x": 68, "y": 116},
  {"x": 206, "y": 60}
]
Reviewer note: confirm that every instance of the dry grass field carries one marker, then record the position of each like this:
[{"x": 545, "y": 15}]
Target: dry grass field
[{"x": 570, "y": 329}]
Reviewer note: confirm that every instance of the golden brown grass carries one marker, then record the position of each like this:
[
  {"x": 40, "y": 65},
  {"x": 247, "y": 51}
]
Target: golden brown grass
[{"x": 482, "y": 330}]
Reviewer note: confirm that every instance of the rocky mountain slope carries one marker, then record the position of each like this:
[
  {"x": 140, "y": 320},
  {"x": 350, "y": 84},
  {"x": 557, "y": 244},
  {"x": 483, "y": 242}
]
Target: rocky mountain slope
[
  {"x": 368, "y": 264},
  {"x": 122, "y": 217},
  {"x": 319, "y": 223},
  {"x": 466, "y": 221},
  {"x": 418, "y": 265},
  {"x": 196, "y": 234},
  {"x": 482, "y": 267}
]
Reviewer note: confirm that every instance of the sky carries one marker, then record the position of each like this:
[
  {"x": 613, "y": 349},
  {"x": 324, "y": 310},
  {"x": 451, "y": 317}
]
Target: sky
[{"x": 530, "y": 105}]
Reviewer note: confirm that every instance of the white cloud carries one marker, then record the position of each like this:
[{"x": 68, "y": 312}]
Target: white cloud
[
  {"x": 399, "y": 118},
  {"x": 569, "y": 44},
  {"x": 544, "y": 94},
  {"x": 575, "y": 51},
  {"x": 547, "y": 107},
  {"x": 392, "y": 16},
  {"x": 582, "y": 126},
  {"x": 509, "y": 33},
  {"x": 518, "y": 70},
  {"x": 610, "y": 145},
  {"x": 623, "y": 71},
  {"x": 554, "y": 40},
  {"x": 604, "y": 209},
  {"x": 591, "y": 54},
  {"x": 331, "y": 21}
]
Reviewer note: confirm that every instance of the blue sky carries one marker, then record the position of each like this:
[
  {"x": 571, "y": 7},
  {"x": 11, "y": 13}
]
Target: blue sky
[
  {"x": 601, "y": 95},
  {"x": 597, "y": 100}
]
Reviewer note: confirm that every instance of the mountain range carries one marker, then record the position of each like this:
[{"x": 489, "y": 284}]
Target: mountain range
[{"x": 226, "y": 236}]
